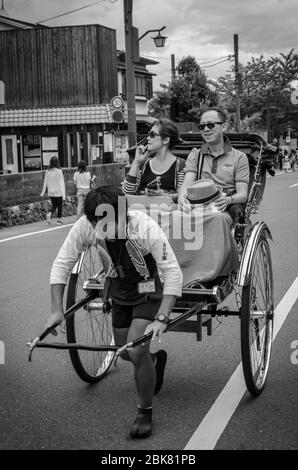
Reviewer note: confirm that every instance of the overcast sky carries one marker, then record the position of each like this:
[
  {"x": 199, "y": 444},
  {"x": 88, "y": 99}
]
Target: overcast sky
[{"x": 201, "y": 28}]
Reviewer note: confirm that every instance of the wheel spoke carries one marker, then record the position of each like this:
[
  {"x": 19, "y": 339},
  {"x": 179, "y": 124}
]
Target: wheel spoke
[
  {"x": 91, "y": 326},
  {"x": 256, "y": 326}
]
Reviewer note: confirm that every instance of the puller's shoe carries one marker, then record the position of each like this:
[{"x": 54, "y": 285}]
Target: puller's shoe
[{"x": 142, "y": 425}]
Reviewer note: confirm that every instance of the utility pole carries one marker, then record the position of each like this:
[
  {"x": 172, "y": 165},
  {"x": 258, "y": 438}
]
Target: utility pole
[
  {"x": 173, "y": 77},
  {"x": 130, "y": 74},
  {"x": 268, "y": 116},
  {"x": 173, "y": 67},
  {"x": 237, "y": 81}
]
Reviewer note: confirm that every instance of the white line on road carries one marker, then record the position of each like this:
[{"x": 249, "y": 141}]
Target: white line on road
[
  {"x": 33, "y": 233},
  {"x": 217, "y": 418},
  {"x": 276, "y": 174},
  {"x": 293, "y": 185}
]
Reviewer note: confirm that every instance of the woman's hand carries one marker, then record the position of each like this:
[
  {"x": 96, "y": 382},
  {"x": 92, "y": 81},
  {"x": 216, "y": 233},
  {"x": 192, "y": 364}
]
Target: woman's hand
[
  {"x": 153, "y": 192},
  {"x": 157, "y": 327},
  {"x": 222, "y": 203},
  {"x": 141, "y": 153}
]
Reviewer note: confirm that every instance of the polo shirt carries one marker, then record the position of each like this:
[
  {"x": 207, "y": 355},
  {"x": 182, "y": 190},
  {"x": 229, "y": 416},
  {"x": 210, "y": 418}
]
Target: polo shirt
[{"x": 225, "y": 170}]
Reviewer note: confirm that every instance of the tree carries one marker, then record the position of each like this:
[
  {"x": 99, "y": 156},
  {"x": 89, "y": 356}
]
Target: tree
[
  {"x": 266, "y": 88},
  {"x": 188, "y": 93},
  {"x": 160, "y": 103}
]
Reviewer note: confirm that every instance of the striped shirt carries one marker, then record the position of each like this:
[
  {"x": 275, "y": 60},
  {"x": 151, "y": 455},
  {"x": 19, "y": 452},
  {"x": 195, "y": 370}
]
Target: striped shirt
[{"x": 133, "y": 184}]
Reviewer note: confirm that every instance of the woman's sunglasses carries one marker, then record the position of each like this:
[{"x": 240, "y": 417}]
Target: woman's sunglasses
[
  {"x": 210, "y": 125},
  {"x": 152, "y": 134}
]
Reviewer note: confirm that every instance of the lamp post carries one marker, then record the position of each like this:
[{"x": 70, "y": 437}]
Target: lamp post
[{"x": 130, "y": 73}]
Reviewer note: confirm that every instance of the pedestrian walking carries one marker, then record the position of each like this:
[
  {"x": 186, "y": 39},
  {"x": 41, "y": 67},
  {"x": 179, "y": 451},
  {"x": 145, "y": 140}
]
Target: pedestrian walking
[
  {"x": 280, "y": 159},
  {"x": 293, "y": 157},
  {"x": 82, "y": 180},
  {"x": 55, "y": 187},
  {"x": 287, "y": 165}
]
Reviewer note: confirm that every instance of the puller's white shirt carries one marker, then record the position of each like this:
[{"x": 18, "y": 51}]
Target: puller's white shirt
[{"x": 143, "y": 229}]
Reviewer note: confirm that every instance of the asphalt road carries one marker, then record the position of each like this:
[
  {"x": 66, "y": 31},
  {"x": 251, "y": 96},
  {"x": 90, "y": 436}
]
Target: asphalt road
[{"x": 44, "y": 405}]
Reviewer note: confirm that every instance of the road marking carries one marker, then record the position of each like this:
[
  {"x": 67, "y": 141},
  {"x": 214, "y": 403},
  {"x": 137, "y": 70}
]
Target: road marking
[
  {"x": 293, "y": 185},
  {"x": 34, "y": 233},
  {"x": 217, "y": 418}
]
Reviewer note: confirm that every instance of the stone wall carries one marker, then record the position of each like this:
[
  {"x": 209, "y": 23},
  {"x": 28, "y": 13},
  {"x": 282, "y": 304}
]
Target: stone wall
[{"x": 20, "y": 200}]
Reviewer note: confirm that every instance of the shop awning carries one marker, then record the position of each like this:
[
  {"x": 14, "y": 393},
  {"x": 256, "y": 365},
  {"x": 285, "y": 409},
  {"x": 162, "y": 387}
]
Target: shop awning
[{"x": 53, "y": 116}]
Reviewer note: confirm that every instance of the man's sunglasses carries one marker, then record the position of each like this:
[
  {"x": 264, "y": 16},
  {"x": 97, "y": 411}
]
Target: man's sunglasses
[
  {"x": 210, "y": 125},
  {"x": 152, "y": 134}
]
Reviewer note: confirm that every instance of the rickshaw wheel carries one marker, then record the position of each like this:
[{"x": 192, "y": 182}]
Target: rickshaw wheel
[
  {"x": 88, "y": 325},
  {"x": 257, "y": 310}
]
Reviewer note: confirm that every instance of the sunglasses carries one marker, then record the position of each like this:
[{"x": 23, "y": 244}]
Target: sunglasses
[
  {"x": 152, "y": 134},
  {"x": 210, "y": 125}
]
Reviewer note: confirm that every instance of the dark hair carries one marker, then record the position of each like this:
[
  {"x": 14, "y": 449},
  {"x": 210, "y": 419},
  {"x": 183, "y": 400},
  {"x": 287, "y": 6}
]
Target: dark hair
[
  {"x": 54, "y": 163},
  {"x": 221, "y": 113},
  {"x": 167, "y": 128},
  {"x": 101, "y": 195},
  {"x": 82, "y": 166}
]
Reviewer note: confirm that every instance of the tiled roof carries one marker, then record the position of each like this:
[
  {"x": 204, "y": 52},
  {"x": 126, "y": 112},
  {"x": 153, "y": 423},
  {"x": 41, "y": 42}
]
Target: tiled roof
[{"x": 52, "y": 116}]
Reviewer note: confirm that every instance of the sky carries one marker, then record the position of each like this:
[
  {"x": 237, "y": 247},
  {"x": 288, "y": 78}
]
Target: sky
[{"x": 203, "y": 29}]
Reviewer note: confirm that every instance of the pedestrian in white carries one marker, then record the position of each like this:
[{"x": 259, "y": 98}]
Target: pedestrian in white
[
  {"x": 82, "y": 180},
  {"x": 287, "y": 164},
  {"x": 55, "y": 186}
]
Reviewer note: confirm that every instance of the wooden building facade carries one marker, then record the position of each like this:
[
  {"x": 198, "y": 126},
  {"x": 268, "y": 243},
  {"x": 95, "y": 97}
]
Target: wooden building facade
[{"x": 57, "y": 86}]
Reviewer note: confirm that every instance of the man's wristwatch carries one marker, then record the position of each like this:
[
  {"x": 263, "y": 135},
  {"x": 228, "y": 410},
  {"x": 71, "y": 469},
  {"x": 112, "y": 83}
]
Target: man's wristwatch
[{"x": 162, "y": 318}]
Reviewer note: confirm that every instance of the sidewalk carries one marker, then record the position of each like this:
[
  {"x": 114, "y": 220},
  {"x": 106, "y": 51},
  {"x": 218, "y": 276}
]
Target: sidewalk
[{"x": 16, "y": 230}]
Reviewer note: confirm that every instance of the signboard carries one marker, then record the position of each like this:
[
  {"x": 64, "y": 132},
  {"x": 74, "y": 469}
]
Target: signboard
[
  {"x": 117, "y": 102},
  {"x": 50, "y": 143},
  {"x": 294, "y": 97}
]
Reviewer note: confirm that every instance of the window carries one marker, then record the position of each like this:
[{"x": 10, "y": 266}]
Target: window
[
  {"x": 149, "y": 88},
  {"x": 32, "y": 152},
  {"x": 140, "y": 85}
]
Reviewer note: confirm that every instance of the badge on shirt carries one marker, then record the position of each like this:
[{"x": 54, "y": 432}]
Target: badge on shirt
[{"x": 146, "y": 287}]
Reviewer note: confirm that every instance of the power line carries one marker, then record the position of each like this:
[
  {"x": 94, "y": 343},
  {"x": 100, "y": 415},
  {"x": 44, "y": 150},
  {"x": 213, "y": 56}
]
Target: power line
[
  {"x": 73, "y": 11},
  {"x": 214, "y": 65},
  {"x": 152, "y": 57},
  {"x": 214, "y": 60}
]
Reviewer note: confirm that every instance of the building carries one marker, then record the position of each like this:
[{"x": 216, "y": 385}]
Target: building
[
  {"x": 143, "y": 93},
  {"x": 57, "y": 86}
]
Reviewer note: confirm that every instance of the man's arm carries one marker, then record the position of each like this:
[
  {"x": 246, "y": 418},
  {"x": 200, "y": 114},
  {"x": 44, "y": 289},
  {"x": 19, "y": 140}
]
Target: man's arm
[
  {"x": 241, "y": 193},
  {"x": 57, "y": 316},
  {"x": 166, "y": 307},
  {"x": 80, "y": 235},
  {"x": 239, "y": 197},
  {"x": 183, "y": 202},
  {"x": 191, "y": 172}
]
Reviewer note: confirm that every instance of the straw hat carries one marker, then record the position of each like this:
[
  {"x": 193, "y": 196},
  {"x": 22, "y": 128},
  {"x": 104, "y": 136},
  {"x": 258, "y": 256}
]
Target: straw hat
[{"x": 203, "y": 192}]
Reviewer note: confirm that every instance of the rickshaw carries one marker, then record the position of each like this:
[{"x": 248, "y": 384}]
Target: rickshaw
[{"x": 88, "y": 320}]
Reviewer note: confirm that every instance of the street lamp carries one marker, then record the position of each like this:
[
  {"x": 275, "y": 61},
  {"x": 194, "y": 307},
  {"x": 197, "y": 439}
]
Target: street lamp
[
  {"x": 159, "y": 40},
  {"x": 130, "y": 73}
]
